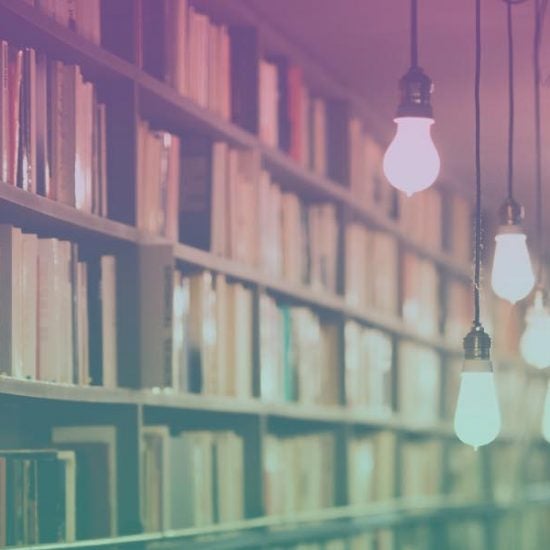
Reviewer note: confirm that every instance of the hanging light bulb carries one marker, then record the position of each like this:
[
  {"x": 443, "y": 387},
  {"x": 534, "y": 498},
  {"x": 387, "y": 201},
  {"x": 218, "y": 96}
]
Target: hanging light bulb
[
  {"x": 535, "y": 341},
  {"x": 512, "y": 277},
  {"x": 477, "y": 415},
  {"x": 411, "y": 162},
  {"x": 546, "y": 416}
]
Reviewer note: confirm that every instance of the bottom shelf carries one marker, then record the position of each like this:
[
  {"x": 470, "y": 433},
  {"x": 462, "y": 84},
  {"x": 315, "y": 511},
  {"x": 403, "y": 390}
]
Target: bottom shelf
[{"x": 329, "y": 524}]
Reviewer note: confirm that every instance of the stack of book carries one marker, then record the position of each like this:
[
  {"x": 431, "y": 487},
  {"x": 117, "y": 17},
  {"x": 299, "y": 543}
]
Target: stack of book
[
  {"x": 212, "y": 336},
  {"x": 184, "y": 48},
  {"x": 158, "y": 175},
  {"x": 37, "y": 497},
  {"x": 465, "y": 474},
  {"x": 420, "y": 306},
  {"x": 219, "y": 200},
  {"x": 506, "y": 471},
  {"x": 422, "y": 466},
  {"x": 368, "y": 363},
  {"x": 298, "y": 355},
  {"x": 290, "y": 116},
  {"x": 368, "y": 184},
  {"x": 192, "y": 479},
  {"x": 371, "y": 468},
  {"x": 467, "y": 534},
  {"x": 82, "y": 17},
  {"x": 421, "y": 217},
  {"x": 52, "y": 130},
  {"x": 419, "y": 383},
  {"x": 461, "y": 229},
  {"x": 371, "y": 269},
  {"x": 299, "y": 473},
  {"x": 58, "y": 321},
  {"x": 297, "y": 241}
]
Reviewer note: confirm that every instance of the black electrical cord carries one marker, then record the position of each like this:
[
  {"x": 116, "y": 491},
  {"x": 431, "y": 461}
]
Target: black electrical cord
[
  {"x": 540, "y": 10},
  {"x": 510, "y": 101},
  {"x": 477, "y": 251},
  {"x": 414, "y": 34}
]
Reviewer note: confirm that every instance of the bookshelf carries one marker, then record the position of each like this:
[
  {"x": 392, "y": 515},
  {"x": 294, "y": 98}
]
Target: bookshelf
[{"x": 31, "y": 410}]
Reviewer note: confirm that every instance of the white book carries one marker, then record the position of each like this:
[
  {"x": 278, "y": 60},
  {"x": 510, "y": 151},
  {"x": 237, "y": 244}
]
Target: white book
[
  {"x": 157, "y": 442},
  {"x": 69, "y": 459},
  {"x": 47, "y": 348},
  {"x": 29, "y": 290},
  {"x": 109, "y": 320}
]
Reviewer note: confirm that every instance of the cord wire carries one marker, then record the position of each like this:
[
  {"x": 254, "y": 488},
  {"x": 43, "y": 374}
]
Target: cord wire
[
  {"x": 510, "y": 101},
  {"x": 540, "y": 10},
  {"x": 477, "y": 250},
  {"x": 414, "y": 33}
]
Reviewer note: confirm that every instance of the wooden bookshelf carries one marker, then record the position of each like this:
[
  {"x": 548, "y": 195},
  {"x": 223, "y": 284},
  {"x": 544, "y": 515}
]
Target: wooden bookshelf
[{"x": 36, "y": 406}]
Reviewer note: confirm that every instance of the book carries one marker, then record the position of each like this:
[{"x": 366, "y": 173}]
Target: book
[
  {"x": 368, "y": 367},
  {"x": 95, "y": 448},
  {"x": 419, "y": 383},
  {"x": 299, "y": 473}
]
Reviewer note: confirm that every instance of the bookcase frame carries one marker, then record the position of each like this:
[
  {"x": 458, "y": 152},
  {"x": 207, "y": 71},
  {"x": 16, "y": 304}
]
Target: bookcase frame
[{"x": 132, "y": 94}]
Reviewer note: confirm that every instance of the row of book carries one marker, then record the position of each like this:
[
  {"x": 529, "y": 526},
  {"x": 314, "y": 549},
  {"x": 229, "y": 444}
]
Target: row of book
[
  {"x": 58, "y": 320},
  {"x": 184, "y": 48},
  {"x": 368, "y": 369},
  {"x": 62, "y": 493},
  {"x": 191, "y": 479},
  {"x": 421, "y": 217},
  {"x": 371, "y": 468},
  {"x": 420, "y": 294},
  {"x": 84, "y": 17},
  {"x": 52, "y": 130},
  {"x": 371, "y": 269},
  {"x": 37, "y": 497},
  {"x": 212, "y": 336},
  {"x": 377, "y": 539},
  {"x": 298, "y": 355},
  {"x": 299, "y": 473},
  {"x": 298, "y": 241}
]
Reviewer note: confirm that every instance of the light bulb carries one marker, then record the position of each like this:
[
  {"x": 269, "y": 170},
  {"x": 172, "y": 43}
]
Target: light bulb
[
  {"x": 535, "y": 341},
  {"x": 546, "y": 416},
  {"x": 512, "y": 277},
  {"x": 411, "y": 162},
  {"x": 477, "y": 416}
]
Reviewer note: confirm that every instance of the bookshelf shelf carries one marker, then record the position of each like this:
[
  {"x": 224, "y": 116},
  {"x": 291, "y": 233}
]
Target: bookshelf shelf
[
  {"x": 324, "y": 524},
  {"x": 52, "y": 218}
]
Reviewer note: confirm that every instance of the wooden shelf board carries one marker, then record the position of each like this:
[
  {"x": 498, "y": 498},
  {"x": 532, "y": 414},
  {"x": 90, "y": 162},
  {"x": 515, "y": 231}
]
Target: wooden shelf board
[
  {"x": 164, "y": 106},
  {"x": 322, "y": 524},
  {"x": 50, "y": 218},
  {"x": 65, "y": 392}
]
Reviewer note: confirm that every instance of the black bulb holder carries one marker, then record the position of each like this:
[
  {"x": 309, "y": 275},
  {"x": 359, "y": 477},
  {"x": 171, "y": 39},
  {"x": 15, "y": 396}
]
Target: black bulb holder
[
  {"x": 510, "y": 213},
  {"x": 416, "y": 89},
  {"x": 477, "y": 350}
]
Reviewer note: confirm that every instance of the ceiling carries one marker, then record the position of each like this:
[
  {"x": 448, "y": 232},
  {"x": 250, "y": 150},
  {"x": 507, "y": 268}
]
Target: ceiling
[{"x": 364, "y": 44}]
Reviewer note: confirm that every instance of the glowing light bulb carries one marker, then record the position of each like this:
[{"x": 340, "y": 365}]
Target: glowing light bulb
[
  {"x": 411, "y": 162},
  {"x": 546, "y": 416},
  {"x": 477, "y": 415},
  {"x": 535, "y": 341},
  {"x": 512, "y": 277}
]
